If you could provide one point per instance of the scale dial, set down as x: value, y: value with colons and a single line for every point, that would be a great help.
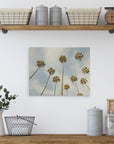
x: 109, y: 17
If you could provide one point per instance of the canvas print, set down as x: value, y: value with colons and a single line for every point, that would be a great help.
x: 59, y: 71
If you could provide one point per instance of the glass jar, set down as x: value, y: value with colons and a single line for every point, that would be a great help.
x: 110, y: 124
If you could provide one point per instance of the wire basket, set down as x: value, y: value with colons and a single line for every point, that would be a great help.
x: 19, y: 125
x: 15, y: 16
x: 83, y: 16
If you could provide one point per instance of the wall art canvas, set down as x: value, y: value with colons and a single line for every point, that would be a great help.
x: 59, y: 71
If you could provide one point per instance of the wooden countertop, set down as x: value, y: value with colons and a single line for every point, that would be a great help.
x: 57, y: 139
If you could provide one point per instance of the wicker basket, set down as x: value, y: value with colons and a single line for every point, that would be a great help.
x: 19, y: 125
x: 110, y: 105
x: 15, y: 16
x: 83, y: 16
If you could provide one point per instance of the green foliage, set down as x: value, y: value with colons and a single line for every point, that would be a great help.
x: 85, y: 70
x: 1, y: 87
x: 83, y: 81
x: 62, y: 59
x: 79, y: 56
x: 66, y: 86
x: 51, y: 71
x: 73, y: 78
x: 80, y: 94
x: 1, y: 104
x: 40, y: 63
x: 5, y: 98
x: 56, y: 79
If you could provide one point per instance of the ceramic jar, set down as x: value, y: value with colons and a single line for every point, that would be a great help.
x: 42, y: 15
x: 94, y: 122
x: 2, y: 131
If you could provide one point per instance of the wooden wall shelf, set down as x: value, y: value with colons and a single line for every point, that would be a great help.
x: 57, y: 139
x: 5, y: 28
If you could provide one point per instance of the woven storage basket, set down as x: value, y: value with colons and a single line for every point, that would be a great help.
x: 83, y: 16
x: 15, y: 16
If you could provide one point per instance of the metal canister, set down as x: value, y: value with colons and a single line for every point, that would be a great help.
x: 95, y: 122
x: 55, y: 15
x: 42, y: 15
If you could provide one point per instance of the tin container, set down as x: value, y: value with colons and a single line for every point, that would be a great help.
x: 95, y: 122
x: 42, y: 15
x: 110, y: 124
x: 55, y: 15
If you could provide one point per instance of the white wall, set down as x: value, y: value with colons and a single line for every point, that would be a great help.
x: 57, y: 114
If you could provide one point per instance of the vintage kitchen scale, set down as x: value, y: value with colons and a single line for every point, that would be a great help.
x: 109, y: 17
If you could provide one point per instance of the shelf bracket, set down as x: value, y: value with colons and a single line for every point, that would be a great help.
x: 4, y: 30
x: 111, y: 31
